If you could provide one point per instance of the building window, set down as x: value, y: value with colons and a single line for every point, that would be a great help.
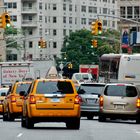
x: 54, y: 7
x: 30, y: 44
x: 13, y: 18
x: 30, y: 56
x: 64, y: 7
x: 11, y: 57
x: 70, y: 20
x: 54, y: 19
x: 70, y: 7
x: 122, y: 10
x: 30, y: 32
x: 14, y: 5
x: 40, y: 6
x: 129, y: 12
x: 75, y: 20
x: 104, y: 10
x: 104, y: 22
x: 45, y: 6
x: 9, y: 5
x: 113, y: 1
x: 54, y: 32
x: 64, y: 19
x: 113, y: 23
x: 45, y: 19
x: 90, y: 21
x: 92, y: 9
x: 75, y: 8
x: 64, y: 32
x: 83, y: 8
x: 136, y: 11
x: 83, y: 21
x: 40, y: 31
x: 40, y: 18
x: 54, y: 44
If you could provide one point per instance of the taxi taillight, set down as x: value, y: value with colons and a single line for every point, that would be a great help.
x: 138, y: 103
x: 78, y: 99
x: 101, y: 101
x: 32, y: 99
x: 13, y: 98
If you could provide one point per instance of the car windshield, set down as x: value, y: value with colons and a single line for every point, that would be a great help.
x: 92, y: 88
x: 53, y: 87
x: 22, y: 87
x: 115, y: 90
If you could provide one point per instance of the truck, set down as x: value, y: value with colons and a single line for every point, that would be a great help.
x: 93, y: 69
x: 11, y: 72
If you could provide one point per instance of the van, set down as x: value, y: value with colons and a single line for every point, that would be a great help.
x: 120, y: 101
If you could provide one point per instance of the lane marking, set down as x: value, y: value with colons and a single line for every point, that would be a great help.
x: 19, y: 135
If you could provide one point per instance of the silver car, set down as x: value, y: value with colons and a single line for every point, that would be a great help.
x: 90, y: 93
x: 120, y: 101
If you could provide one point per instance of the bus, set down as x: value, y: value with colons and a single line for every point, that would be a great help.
x: 120, y: 68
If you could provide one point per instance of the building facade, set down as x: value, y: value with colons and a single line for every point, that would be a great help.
x: 52, y: 20
x: 130, y: 10
x: 2, y: 41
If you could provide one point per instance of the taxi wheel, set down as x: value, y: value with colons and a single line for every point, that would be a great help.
x: 29, y: 123
x: 10, y: 116
x: 73, y: 124
x: 138, y: 120
x: 101, y: 118
x: 5, y: 116
x: 23, y: 122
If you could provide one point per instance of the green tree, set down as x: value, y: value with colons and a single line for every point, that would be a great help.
x: 10, y: 37
x: 79, y: 50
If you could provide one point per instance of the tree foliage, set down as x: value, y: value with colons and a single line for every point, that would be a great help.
x: 79, y: 50
x: 10, y: 37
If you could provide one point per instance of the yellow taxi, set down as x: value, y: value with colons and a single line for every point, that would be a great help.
x: 51, y: 100
x: 12, y: 104
x: 3, y: 93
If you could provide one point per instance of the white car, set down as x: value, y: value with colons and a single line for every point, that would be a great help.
x: 82, y: 77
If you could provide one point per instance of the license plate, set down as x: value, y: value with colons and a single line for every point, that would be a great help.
x: 55, y: 100
x: 91, y: 101
x: 120, y: 107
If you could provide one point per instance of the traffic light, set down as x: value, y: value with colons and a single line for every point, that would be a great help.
x: 94, y: 29
x: 99, y: 23
x: 6, y: 23
x: 44, y: 44
x: 70, y: 65
x: 40, y: 43
x: 94, y: 43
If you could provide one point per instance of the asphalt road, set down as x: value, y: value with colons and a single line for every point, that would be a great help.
x: 89, y: 130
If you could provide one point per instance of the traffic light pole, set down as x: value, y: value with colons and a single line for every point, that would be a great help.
x: 121, y: 19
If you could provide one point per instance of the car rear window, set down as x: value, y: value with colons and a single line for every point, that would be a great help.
x: 115, y: 90
x: 92, y: 88
x: 22, y: 87
x: 56, y: 87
